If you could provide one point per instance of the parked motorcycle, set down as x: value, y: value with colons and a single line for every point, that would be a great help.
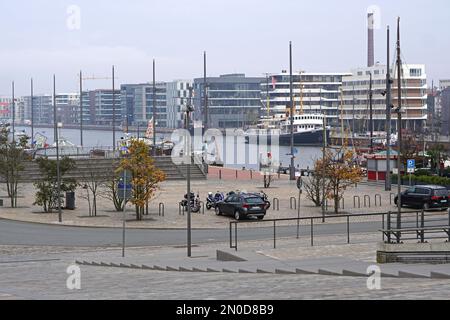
x: 212, y: 200
x: 194, y: 203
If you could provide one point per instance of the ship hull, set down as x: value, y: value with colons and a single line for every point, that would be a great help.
x: 311, y: 138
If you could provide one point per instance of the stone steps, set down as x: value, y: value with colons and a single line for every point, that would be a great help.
x: 325, y: 267
x: 106, y: 167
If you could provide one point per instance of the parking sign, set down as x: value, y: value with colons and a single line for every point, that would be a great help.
x: 411, y: 166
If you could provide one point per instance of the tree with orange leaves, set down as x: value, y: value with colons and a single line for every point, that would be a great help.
x: 145, y: 177
x: 341, y: 172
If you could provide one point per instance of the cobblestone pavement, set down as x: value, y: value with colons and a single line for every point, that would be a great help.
x: 171, y: 193
x: 34, y: 279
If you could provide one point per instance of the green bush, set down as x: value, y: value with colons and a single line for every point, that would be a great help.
x: 416, y: 179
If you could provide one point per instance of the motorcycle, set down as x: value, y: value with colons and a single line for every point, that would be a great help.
x: 194, y: 203
x: 211, y: 200
x: 265, y: 198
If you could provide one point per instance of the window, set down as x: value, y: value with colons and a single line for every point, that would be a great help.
x: 415, y: 72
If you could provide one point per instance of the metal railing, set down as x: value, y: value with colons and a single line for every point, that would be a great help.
x: 421, y: 227
x: 386, y: 217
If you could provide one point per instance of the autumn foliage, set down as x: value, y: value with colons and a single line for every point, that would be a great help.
x: 145, y: 177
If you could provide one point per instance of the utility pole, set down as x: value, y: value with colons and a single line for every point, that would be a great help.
x: 81, y: 108
x: 205, y: 93
x: 114, y: 107
x: 371, y: 113
x: 292, y: 171
x: 189, y: 109
x: 399, y: 126
x: 324, y: 146
x: 32, y: 115
x: 154, y: 109
x: 388, y: 184
x: 13, y: 114
x: 353, y: 116
x: 58, y: 170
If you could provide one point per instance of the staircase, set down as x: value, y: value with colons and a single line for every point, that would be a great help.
x: 105, y: 168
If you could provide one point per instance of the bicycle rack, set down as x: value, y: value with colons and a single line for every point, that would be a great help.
x: 359, y: 202
x: 366, y: 197
x: 378, y: 196
x: 293, y: 203
x: 276, y: 204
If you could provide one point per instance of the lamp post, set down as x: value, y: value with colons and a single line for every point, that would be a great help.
x: 291, y: 104
x: 388, y: 185
x: 189, y: 109
x: 58, y: 169
x: 399, y: 128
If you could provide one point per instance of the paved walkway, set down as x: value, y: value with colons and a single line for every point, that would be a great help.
x: 40, y: 273
x: 172, y: 192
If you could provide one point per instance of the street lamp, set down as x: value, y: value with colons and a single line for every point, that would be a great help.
x: 188, y: 110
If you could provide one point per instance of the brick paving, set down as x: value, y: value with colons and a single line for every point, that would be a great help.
x: 172, y: 192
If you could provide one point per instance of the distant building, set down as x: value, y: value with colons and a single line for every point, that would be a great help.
x: 234, y: 100
x: 445, y: 116
x: 355, y: 89
x: 137, y: 104
x: 177, y: 95
x: 443, y: 84
x: 313, y: 93
x: 67, y: 107
x: 42, y: 109
x: 5, y: 109
x: 102, y: 106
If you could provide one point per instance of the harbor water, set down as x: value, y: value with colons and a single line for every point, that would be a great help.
x: 102, y: 139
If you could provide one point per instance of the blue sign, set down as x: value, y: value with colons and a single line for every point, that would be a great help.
x: 411, y: 164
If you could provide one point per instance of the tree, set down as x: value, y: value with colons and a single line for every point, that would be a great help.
x: 47, y: 188
x: 341, y: 173
x: 145, y: 177
x: 110, y: 189
x: 437, y: 155
x: 314, y: 185
x: 12, y: 158
x: 93, y: 178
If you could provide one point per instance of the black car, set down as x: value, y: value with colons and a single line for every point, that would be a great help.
x: 425, y: 197
x: 242, y: 206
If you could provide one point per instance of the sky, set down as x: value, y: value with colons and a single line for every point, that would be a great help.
x: 45, y: 37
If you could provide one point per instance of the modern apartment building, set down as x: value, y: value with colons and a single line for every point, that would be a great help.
x: 67, y: 107
x: 177, y: 96
x: 312, y: 92
x: 355, y: 111
x: 137, y: 104
x: 42, y: 109
x: 99, y: 107
x: 445, y: 113
x: 5, y: 109
x: 234, y: 100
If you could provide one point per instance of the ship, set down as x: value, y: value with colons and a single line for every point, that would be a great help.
x: 308, y: 130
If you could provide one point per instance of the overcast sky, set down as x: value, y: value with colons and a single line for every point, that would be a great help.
x: 42, y: 37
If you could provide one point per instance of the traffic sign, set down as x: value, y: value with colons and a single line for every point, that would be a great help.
x: 411, y: 165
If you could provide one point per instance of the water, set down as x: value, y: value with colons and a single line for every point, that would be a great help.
x: 304, y: 157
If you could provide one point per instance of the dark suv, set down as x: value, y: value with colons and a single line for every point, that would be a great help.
x: 242, y: 205
x: 425, y: 197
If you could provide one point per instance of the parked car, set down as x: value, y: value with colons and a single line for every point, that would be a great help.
x: 242, y: 206
x: 425, y: 197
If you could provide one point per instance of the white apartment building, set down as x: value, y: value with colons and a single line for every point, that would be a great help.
x: 177, y: 95
x: 355, y: 110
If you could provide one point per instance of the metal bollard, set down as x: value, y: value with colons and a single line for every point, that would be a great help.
x: 276, y: 204
x: 161, y: 209
x: 359, y: 202
x: 366, y: 197
x: 293, y: 201
x: 378, y: 196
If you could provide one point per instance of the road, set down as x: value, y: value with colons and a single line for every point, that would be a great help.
x: 23, y: 233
